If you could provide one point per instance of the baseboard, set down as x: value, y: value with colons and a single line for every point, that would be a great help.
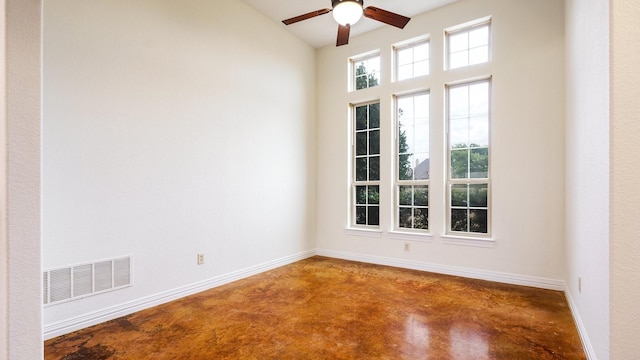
x: 544, y: 283
x: 97, y: 317
x: 582, y: 330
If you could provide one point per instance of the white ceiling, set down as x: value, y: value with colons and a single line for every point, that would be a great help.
x: 322, y: 30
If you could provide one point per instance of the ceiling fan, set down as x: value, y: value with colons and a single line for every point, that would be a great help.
x: 348, y: 12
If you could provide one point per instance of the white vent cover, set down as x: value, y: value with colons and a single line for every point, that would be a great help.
x: 84, y: 280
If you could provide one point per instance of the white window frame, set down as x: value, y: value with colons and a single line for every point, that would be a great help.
x: 411, y: 44
x: 466, y: 28
x: 467, y: 181
x: 397, y: 182
x: 356, y: 183
x: 353, y: 65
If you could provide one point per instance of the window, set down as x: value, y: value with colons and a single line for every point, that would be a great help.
x: 412, y: 60
x: 366, y: 165
x: 468, y: 148
x: 431, y: 177
x: 413, y: 162
x: 366, y: 71
x: 468, y: 45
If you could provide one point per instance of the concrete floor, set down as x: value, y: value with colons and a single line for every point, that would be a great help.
x: 323, y: 308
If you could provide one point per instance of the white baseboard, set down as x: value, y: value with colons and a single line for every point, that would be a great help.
x: 544, y: 283
x: 100, y: 316
x: 582, y: 330
x: 64, y: 327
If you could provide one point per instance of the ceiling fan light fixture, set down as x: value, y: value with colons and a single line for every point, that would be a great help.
x: 347, y: 11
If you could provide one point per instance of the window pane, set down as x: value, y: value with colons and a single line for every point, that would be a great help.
x: 459, y: 164
x: 405, y: 72
x: 458, y: 220
x: 468, y: 47
x: 421, y: 68
x: 479, y: 163
x: 404, y: 218
x: 405, y: 56
x: 421, y: 171
x: 413, y: 138
x: 478, y: 55
x: 374, y: 195
x: 422, y: 108
x: 405, y: 109
x: 468, y: 126
x: 374, y: 168
x: 366, y: 72
x: 361, y: 82
x: 374, y: 65
x: 421, y: 196
x: 478, y: 195
x: 459, y: 195
x: 478, y: 98
x: 412, y: 61
x: 361, y: 118
x: 405, y: 170
x: 361, y: 215
x: 479, y: 37
x: 421, y: 138
x: 421, y: 52
x: 361, y: 194
x: 405, y: 195
x: 458, y: 133
x: 458, y: 42
x: 406, y: 139
x: 374, y: 215
x: 459, y: 102
x: 361, y: 169
x: 374, y: 116
x: 478, y: 221
x: 421, y: 218
x: 459, y: 59
x: 361, y: 143
x: 478, y: 131
x: 374, y: 142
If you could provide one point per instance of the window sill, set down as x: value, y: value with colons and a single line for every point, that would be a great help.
x: 363, y: 232
x: 408, y: 236
x: 468, y: 241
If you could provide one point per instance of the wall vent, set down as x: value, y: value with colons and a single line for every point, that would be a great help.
x: 79, y: 281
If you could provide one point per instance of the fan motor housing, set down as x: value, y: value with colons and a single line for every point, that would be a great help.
x: 336, y: 2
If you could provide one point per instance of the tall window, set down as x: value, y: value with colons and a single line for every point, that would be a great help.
x: 366, y: 71
x: 468, y: 45
x: 468, y: 144
x: 412, y: 60
x: 413, y: 162
x: 366, y: 165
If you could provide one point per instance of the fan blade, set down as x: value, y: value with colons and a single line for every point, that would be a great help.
x: 343, y: 35
x: 306, y: 16
x: 386, y: 17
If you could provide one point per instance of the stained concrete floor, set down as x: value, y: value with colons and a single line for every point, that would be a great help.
x: 322, y: 308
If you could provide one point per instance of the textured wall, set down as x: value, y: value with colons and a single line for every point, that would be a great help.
x: 587, y: 185
x: 625, y: 195
x: 23, y: 43
x: 173, y: 128
x: 527, y: 139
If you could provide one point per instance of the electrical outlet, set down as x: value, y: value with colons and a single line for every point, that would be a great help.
x: 579, y: 284
x: 407, y: 247
x: 200, y: 259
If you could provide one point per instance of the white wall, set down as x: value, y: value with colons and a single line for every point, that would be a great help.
x: 173, y: 128
x: 527, y: 150
x: 587, y: 174
x: 21, y: 206
x: 625, y: 197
